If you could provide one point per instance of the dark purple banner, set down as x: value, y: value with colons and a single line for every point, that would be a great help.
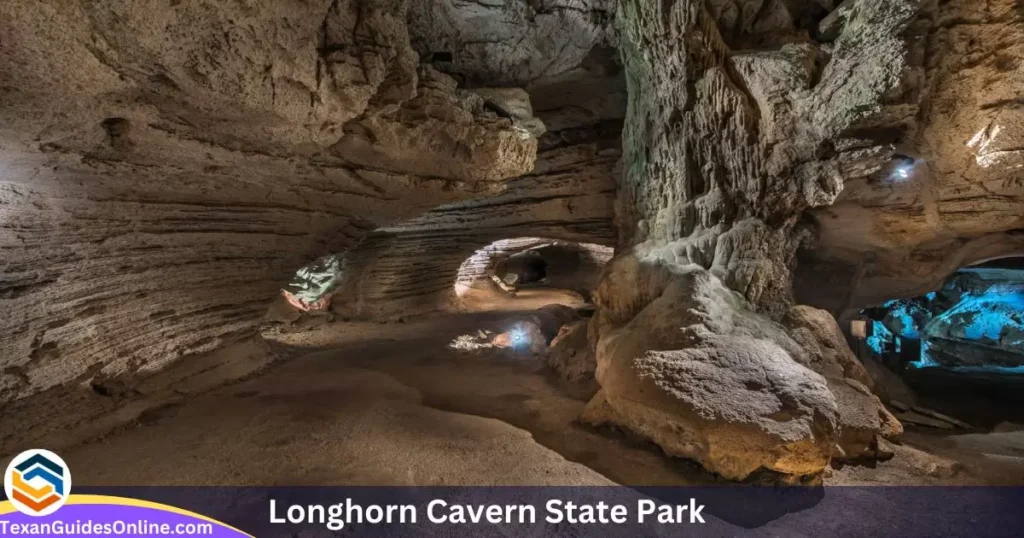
x: 817, y: 512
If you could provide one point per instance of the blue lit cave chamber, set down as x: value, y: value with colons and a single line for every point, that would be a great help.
x: 967, y: 336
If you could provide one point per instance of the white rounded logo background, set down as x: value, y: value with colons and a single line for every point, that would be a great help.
x: 9, y: 485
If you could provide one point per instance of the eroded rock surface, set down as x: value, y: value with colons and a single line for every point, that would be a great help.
x: 718, y: 171
x: 571, y: 355
x: 166, y: 166
x: 962, y: 199
x: 699, y: 372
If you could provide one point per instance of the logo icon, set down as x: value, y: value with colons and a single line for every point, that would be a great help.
x: 37, y: 482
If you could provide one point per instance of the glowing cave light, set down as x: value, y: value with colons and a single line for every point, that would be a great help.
x: 519, y: 338
x: 974, y: 324
x: 993, y: 317
x: 984, y: 316
x: 902, y: 172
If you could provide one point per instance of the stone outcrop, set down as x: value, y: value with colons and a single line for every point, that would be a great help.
x: 412, y: 268
x: 707, y: 378
x: 725, y: 148
x: 889, y: 236
x: 699, y: 373
x: 861, y: 417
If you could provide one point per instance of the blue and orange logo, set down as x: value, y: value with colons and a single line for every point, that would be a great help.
x: 37, y: 482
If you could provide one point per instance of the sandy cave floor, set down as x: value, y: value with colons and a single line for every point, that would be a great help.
x: 392, y: 404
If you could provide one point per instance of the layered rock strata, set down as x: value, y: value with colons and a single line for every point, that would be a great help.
x: 165, y: 167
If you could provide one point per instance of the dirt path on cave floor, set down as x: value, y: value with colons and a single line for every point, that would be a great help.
x: 394, y: 405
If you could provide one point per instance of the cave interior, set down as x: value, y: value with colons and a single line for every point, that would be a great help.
x: 627, y: 242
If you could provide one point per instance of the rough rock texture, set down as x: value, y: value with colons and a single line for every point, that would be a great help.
x: 509, y: 43
x: 702, y: 375
x: 164, y: 167
x: 412, y: 268
x: 963, y: 199
x: 725, y: 146
x: 568, y: 266
x: 861, y: 415
x: 571, y: 356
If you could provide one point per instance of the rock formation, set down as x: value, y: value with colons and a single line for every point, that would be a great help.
x: 166, y: 167
x: 889, y: 236
x: 745, y: 126
x: 725, y: 148
x: 412, y: 268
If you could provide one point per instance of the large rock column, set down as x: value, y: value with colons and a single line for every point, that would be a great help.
x: 698, y: 345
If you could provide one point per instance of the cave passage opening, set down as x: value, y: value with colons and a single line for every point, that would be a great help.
x: 525, y: 269
x: 528, y: 272
x: 962, y: 341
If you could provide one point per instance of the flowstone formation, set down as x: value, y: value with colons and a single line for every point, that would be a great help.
x: 738, y: 123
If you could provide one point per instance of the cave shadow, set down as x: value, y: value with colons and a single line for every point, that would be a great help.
x: 749, y: 504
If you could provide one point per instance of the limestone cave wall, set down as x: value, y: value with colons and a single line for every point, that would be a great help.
x: 165, y: 167
x: 569, y: 266
x: 412, y: 268
x: 889, y: 236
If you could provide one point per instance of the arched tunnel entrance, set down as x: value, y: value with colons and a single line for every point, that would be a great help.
x: 520, y: 273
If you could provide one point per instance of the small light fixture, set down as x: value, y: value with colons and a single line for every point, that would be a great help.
x: 903, y: 170
x: 519, y: 337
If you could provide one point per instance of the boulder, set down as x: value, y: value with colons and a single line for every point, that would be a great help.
x: 571, y: 355
x: 706, y: 378
x: 862, y: 416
